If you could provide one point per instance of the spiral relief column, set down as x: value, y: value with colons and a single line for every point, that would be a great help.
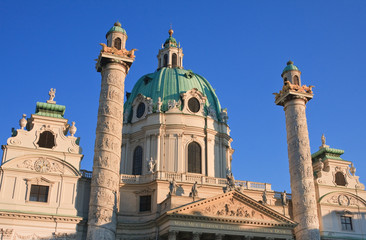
x: 114, y: 62
x: 294, y: 97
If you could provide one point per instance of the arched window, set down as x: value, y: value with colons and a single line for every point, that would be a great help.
x: 339, y: 179
x: 117, y: 43
x: 165, y: 60
x: 46, y: 140
x: 296, y: 80
x: 194, y: 158
x: 174, y: 60
x: 137, y: 161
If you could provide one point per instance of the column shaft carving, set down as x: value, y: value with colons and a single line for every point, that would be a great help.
x: 104, y: 194
x: 301, y: 171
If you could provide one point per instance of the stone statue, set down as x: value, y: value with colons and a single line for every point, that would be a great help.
x: 151, y: 165
x: 159, y: 104
x: 321, y: 164
x: 284, y: 198
x: 194, y: 191
x: 264, y: 197
x: 173, y: 104
x: 173, y: 187
x: 149, y: 106
x: 211, y: 112
x: 223, y: 115
x: 230, y: 180
x: 52, y: 94
x: 323, y: 142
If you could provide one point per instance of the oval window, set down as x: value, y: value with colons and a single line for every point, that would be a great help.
x: 193, y: 105
x: 140, y: 110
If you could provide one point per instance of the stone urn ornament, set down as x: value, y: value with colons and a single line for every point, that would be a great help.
x: 23, y: 122
x: 72, y: 129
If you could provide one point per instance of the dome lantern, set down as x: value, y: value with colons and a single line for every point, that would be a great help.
x: 171, y: 54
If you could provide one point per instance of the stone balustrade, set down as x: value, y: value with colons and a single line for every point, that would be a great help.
x: 191, y: 178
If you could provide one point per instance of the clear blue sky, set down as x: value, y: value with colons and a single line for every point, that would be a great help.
x: 241, y: 47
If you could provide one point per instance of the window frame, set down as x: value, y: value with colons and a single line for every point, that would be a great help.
x: 39, y: 187
x: 150, y: 200
x: 199, y: 162
x: 345, y: 224
x: 44, y: 132
x: 140, y: 161
x: 38, y: 181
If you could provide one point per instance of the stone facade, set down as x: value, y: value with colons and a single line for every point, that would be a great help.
x: 162, y: 169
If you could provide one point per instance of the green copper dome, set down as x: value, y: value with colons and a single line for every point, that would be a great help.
x: 290, y: 66
x: 170, y: 42
x: 117, y: 28
x: 169, y: 84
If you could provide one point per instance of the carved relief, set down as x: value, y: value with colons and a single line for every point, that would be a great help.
x: 228, y: 208
x: 345, y: 200
x: 107, y: 143
x: 41, y: 165
x: 105, y: 160
x: 172, y: 104
x: 14, y: 141
x: 105, y: 180
x: 100, y: 215
x: 108, y: 110
x: 106, y: 196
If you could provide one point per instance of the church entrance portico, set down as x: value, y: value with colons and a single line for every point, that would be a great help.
x: 231, y: 215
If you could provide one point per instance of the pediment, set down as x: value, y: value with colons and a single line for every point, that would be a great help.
x: 235, y: 206
x: 41, y: 164
x: 343, y: 199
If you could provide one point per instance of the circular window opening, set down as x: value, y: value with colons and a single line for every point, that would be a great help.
x: 193, y: 105
x: 140, y: 110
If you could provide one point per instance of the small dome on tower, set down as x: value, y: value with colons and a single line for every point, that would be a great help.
x: 170, y: 41
x: 117, y: 27
x: 290, y: 66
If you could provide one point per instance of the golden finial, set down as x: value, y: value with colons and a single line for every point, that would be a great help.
x: 117, y: 24
x: 290, y: 62
x: 171, y: 30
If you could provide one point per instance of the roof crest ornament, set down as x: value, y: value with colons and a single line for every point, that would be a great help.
x: 323, y: 143
x: 52, y: 94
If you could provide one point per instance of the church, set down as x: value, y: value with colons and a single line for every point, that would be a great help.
x: 162, y: 166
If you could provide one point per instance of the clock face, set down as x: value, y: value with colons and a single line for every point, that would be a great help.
x: 42, y: 165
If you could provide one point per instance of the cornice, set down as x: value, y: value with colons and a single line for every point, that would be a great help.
x: 40, y: 217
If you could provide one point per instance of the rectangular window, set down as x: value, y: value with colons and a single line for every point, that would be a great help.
x: 346, y: 223
x: 145, y: 203
x: 38, y: 193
